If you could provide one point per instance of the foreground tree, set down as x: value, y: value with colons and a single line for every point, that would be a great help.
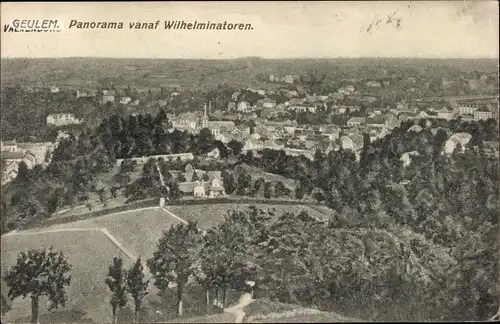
x: 40, y: 273
x: 176, y: 258
x: 137, y: 286
x: 117, y: 283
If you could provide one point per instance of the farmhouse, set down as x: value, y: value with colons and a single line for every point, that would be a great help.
x: 213, y: 187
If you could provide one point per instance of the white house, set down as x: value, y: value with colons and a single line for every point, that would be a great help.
x: 288, y: 79
x: 243, y: 106
x: 467, y: 109
x: 199, y: 190
x: 482, y: 113
x: 125, y: 100
x: 268, y: 103
x: 62, y: 119
x: 8, y: 146
x: 445, y: 113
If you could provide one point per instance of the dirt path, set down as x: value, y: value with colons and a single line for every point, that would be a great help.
x: 237, y: 310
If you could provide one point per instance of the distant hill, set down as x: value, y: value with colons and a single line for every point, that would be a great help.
x: 81, y: 72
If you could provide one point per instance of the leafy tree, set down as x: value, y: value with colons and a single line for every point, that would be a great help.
x: 176, y: 258
x: 206, y: 177
x: 181, y: 177
x: 235, y: 146
x: 228, y: 180
x: 299, y: 191
x: 195, y: 177
x: 280, y: 189
x: 243, y: 184
x: 23, y: 173
x: 318, y: 195
x: 117, y: 284
x: 137, y: 286
x: 40, y: 273
x: 267, y: 189
x: 258, y: 185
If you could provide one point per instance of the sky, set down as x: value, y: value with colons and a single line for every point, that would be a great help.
x: 441, y: 29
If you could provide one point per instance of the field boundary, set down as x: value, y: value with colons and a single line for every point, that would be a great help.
x: 173, y: 215
x: 118, y: 244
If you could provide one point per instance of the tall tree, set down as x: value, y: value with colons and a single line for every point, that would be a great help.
x: 40, y: 273
x: 176, y: 258
x: 117, y: 284
x: 137, y: 286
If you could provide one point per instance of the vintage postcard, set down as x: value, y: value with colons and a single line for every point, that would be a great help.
x: 239, y: 162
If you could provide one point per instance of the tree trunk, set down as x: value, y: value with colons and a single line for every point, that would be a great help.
x: 180, y: 290
x: 136, y: 315
x: 288, y: 287
x: 34, y: 309
x: 207, y: 298
x: 114, y: 314
x: 217, y: 296
x: 224, y: 297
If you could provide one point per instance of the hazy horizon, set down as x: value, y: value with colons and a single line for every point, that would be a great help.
x: 281, y: 30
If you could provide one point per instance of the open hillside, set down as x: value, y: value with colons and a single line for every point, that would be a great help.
x: 89, y: 252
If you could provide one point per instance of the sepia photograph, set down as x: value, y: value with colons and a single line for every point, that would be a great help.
x: 249, y: 162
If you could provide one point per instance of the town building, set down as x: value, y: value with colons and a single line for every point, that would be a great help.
x: 356, y: 121
x: 62, y: 119
x: 467, y: 109
x: 482, y: 113
x: 288, y: 79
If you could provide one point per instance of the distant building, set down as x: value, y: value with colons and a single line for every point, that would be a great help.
x: 243, y: 106
x: 378, y: 121
x: 373, y: 84
x: 62, y: 119
x: 81, y: 94
x: 482, y: 114
x: 8, y: 146
x: 108, y: 96
x: 125, y: 100
x: 346, y: 143
x: 268, y: 103
x: 288, y: 79
x: 356, y: 121
x: 467, y: 109
x: 166, y: 157
x: 445, y: 113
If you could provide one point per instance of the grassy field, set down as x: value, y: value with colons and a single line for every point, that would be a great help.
x: 137, y: 230
x: 89, y: 253
x: 211, y: 215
